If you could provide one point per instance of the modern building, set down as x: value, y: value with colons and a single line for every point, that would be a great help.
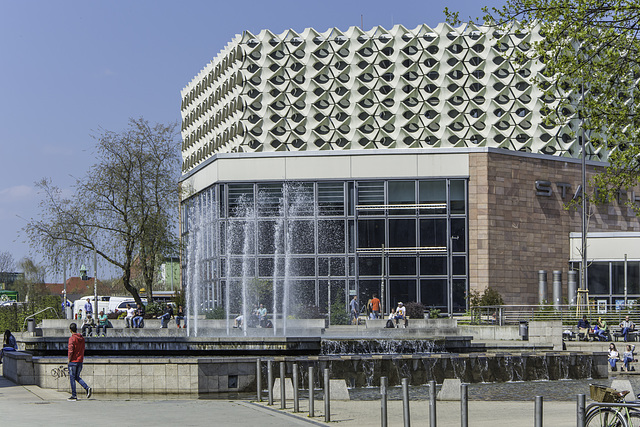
x: 412, y: 163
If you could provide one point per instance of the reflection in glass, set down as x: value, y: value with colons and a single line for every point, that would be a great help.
x: 598, y: 278
x: 402, y: 233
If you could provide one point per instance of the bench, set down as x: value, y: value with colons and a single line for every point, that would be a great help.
x: 617, y: 333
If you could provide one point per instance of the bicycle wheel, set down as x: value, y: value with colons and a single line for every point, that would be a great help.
x: 634, y: 418
x: 604, y: 417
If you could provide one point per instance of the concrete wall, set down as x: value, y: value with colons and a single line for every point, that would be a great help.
x: 546, y: 332
x: 136, y: 375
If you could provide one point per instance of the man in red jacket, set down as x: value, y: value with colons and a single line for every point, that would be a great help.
x: 76, y: 357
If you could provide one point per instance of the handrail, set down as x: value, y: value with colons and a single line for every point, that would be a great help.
x: 32, y: 316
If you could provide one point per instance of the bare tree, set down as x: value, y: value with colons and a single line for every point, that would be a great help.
x: 7, y: 265
x: 124, y: 209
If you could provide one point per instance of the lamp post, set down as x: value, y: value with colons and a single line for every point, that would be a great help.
x: 95, y: 282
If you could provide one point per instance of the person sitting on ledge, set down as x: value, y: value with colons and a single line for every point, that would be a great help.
x: 628, y: 357
x: 8, y: 343
x: 603, y: 330
x: 180, y: 316
x: 87, y: 325
x: 166, y: 316
x: 583, y: 328
x: 627, y: 326
x: 138, y: 320
x: 237, y: 323
x: 614, y: 356
x: 401, y: 314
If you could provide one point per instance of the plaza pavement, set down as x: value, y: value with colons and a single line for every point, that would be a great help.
x: 31, y: 405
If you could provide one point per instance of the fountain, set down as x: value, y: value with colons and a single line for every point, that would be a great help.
x: 238, y: 244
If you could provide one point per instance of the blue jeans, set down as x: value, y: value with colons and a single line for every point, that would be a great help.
x: 74, y: 375
x: 625, y: 332
x: 164, y: 320
x: 178, y: 319
x: 613, y: 362
x: 136, y: 321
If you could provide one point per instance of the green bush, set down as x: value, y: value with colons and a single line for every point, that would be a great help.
x: 154, y: 309
x: 339, y: 315
x: 217, y: 313
x: 13, y: 317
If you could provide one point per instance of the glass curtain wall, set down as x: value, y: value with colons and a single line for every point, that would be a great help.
x: 606, y: 280
x: 405, y: 240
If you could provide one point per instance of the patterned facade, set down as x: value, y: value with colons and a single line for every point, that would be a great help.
x: 378, y: 89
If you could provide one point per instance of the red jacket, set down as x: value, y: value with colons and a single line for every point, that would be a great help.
x: 76, y: 348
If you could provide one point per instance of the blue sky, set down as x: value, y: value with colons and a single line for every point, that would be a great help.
x: 68, y: 68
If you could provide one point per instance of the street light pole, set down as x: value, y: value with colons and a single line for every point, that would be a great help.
x: 95, y: 282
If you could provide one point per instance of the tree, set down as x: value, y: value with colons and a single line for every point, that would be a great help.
x: 125, y: 208
x: 591, y: 52
x: 6, y: 262
x: 32, y: 285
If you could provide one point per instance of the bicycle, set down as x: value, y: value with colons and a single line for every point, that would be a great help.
x: 612, y: 410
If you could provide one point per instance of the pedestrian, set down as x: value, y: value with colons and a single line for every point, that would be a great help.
x: 354, y: 310
x: 88, y: 308
x: 262, y: 315
x: 375, y: 306
x: 76, y: 358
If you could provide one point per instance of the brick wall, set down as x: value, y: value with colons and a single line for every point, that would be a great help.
x: 513, y: 232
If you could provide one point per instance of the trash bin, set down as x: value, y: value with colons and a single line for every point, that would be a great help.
x: 31, y: 324
x: 524, y: 330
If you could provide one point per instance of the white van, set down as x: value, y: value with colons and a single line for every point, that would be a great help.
x: 108, y: 304
x: 120, y: 303
x: 103, y: 304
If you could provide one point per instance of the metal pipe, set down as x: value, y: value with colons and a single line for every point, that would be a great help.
x: 581, y: 413
x: 542, y: 287
x: 259, y: 379
x: 432, y: 404
x: 557, y: 289
x: 406, y: 415
x: 572, y: 285
x: 538, y: 412
x: 296, y: 403
x: 383, y: 401
x: 327, y: 396
x: 270, y: 381
x: 464, y: 405
x: 283, y: 393
x: 311, y: 390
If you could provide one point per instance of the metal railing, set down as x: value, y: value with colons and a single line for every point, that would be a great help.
x: 514, y: 314
x: 33, y: 316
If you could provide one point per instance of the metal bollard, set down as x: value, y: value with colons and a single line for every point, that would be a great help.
x: 383, y: 401
x: 538, y: 420
x: 270, y: 381
x: 406, y: 415
x: 283, y: 380
x: 432, y: 404
x: 259, y: 379
x: 581, y: 408
x: 296, y: 403
x: 327, y: 396
x: 311, y: 391
x: 464, y: 405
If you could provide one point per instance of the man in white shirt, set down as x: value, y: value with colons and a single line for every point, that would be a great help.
x: 401, y: 313
x: 130, y: 313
